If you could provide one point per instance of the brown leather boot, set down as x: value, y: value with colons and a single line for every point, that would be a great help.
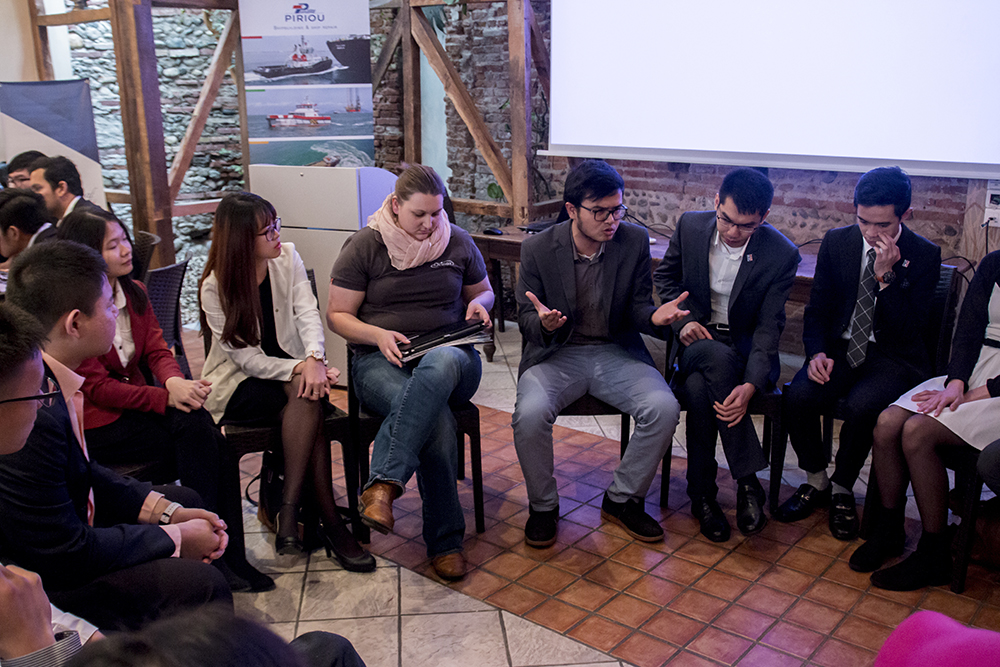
x: 376, y: 506
x: 450, y: 566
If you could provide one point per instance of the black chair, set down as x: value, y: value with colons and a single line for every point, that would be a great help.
x: 142, y: 254
x: 767, y: 404
x: 262, y: 435
x: 364, y: 426
x: 164, y: 288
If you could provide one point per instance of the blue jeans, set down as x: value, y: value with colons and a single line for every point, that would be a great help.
x: 609, y: 373
x: 418, y: 433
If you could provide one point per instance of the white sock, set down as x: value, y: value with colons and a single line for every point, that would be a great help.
x: 837, y: 488
x: 818, y: 480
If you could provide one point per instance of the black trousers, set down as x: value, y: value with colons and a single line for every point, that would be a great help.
x: 189, y: 447
x: 130, y: 598
x: 325, y: 649
x: 709, y: 371
x: 868, y: 390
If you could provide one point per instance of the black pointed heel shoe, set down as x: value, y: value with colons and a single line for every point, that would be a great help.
x: 286, y: 528
x: 341, y: 545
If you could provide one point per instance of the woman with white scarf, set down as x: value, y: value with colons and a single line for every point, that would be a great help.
x: 408, y: 272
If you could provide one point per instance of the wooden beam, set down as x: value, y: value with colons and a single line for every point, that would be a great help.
x: 195, y: 207
x: 519, y: 48
x: 392, y: 41
x: 437, y: 3
x: 40, y: 40
x: 241, y: 103
x: 221, y: 60
x: 118, y: 196
x: 460, y: 97
x: 481, y: 207
x: 142, y: 122
x: 546, y: 208
x: 540, y: 53
x: 412, y: 138
x: 76, y: 16
x: 198, y: 4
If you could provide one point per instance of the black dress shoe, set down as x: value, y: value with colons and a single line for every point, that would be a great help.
x: 341, y: 546
x: 540, y: 530
x: 713, y: 522
x: 750, y: 518
x: 843, y: 517
x: 631, y: 516
x: 803, y: 502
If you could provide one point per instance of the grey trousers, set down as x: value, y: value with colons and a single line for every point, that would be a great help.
x: 612, y: 375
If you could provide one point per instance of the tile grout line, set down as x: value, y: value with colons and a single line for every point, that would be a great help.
x: 506, y: 639
x: 399, y: 615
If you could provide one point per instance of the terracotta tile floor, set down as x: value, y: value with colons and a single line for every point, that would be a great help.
x: 783, y: 597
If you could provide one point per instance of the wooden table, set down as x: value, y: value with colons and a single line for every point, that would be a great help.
x: 507, y: 247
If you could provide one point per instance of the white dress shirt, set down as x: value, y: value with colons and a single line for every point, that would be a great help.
x: 723, y: 265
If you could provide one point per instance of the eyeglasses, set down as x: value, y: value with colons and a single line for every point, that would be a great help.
x: 46, y: 395
x: 601, y: 214
x: 271, y: 231
x: 748, y: 227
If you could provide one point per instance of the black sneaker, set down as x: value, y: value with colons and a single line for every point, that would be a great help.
x: 540, y: 530
x: 873, y: 554
x: 631, y: 516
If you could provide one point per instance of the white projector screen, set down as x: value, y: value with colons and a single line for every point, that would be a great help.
x: 844, y: 85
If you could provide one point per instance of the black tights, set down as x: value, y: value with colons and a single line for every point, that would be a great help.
x: 905, y: 452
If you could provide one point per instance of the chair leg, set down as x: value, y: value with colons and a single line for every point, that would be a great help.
x: 626, y: 428
x: 873, y: 507
x: 967, y: 529
x: 460, y: 436
x: 363, y: 533
x: 476, y: 458
x: 828, y: 436
x: 351, y: 481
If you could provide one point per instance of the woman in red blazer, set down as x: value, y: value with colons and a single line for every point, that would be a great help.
x: 127, y: 420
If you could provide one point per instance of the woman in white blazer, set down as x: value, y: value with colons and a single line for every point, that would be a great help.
x: 268, y: 359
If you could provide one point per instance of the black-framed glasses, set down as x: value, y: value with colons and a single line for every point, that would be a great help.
x: 271, y: 231
x: 748, y: 227
x: 601, y: 214
x: 46, y: 394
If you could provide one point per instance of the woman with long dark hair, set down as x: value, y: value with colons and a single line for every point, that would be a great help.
x: 268, y: 359
x: 130, y: 421
x: 409, y: 272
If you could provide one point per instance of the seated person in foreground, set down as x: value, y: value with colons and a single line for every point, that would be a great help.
x: 32, y: 631
x: 268, y: 361
x: 129, y: 421
x: 738, y: 271
x: 408, y: 272
x: 956, y: 410
x: 862, y: 331
x: 584, y: 296
x: 108, y: 548
x: 23, y: 222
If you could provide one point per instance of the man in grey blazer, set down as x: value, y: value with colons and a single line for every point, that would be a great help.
x: 738, y: 271
x: 584, y: 295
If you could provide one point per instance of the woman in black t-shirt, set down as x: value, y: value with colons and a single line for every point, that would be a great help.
x: 409, y: 272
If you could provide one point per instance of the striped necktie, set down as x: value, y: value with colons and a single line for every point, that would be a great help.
x: 864, y: 313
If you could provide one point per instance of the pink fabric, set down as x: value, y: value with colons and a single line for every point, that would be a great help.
x: 406, y: 252
x: 930, y: 639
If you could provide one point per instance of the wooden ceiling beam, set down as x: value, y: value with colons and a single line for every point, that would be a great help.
x: 76, y: 16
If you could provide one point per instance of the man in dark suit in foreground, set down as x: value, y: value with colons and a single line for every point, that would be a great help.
x: 738, y: 271
x: 584, y: 295
x: 108, y: 548
x: 862, y: 332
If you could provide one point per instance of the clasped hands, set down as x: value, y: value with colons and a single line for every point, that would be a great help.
x: 203, y: 533
x: 315, y: 379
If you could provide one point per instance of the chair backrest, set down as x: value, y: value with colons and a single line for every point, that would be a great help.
x: 164, y: 287
x: 941, y: 318
x: 142, y: 253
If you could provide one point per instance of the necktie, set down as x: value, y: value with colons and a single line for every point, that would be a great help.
x: 864, y: 312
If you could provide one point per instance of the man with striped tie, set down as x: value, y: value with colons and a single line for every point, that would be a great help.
x: 862, y: 330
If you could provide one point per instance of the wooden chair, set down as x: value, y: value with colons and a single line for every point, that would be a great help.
x: 142, y: 254
x: 767, y: 404
x: 364, y: 426
x: 164, y: 288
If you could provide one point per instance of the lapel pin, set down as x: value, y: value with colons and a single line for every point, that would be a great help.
x: 749, y: 258
x: 906, y: 263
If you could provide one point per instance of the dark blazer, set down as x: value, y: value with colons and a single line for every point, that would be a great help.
x: 757, y: 302
x: 972, y: 323
x: 547, y: 271
x: 111, y: 388
x: 87, y: 205
x: 43, y: 509
x: 901, y: 309
x: 46, y: 234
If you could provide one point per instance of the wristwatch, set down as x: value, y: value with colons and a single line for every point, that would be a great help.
x: 317, y: 355
x: 168, y: 512
x: 886, y: 277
